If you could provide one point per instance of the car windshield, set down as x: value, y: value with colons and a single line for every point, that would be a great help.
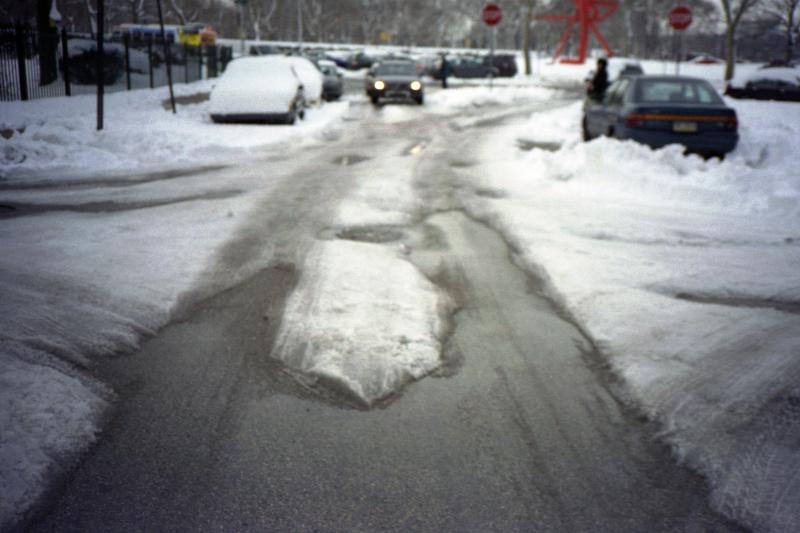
x: 396, y: 69
x: 676, y: 91
x: 328, y: 70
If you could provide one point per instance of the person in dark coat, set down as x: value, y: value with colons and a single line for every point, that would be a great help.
x: 444, y: 71
x: 599, y: 83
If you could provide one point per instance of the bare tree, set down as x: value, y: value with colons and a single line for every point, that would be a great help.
x: 733, y: 11
x: 261, y: 12
x: 787, y: 13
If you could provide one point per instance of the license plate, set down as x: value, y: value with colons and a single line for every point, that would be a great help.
x: 684, y: 127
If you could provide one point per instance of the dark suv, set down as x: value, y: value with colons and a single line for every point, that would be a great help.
x: 506, y: 65
x: 394, y: 79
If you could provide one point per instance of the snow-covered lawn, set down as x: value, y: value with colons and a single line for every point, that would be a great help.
x: 685, y: 274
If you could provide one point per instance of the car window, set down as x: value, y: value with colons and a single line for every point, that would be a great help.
x: 616, y: 92
x: 396, y: 69
x: 676, y: 91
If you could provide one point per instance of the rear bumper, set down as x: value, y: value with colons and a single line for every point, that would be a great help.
x: 702, y: 143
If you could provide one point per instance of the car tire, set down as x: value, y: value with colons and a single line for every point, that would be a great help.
x: 374, y: 98
x: 419, y: 99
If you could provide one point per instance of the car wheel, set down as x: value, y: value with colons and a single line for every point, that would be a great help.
x: 585, y: 130
x: 419, y: 99
x: 374, y: 98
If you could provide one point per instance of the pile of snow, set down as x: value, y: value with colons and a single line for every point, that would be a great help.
x: 362, y: 321
x: 683, y: 272
x: 139, y: 134
x: 82, y: 285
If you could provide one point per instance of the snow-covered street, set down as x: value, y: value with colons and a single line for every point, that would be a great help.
x: 330, y: 307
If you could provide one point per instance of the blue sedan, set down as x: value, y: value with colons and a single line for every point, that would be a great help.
x: 662, y: 110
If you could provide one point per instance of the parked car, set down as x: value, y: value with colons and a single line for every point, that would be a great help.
x: 258, y: 89
x: 472, y: 67
x: 778, y: 82
x: 506, y: 64
x: 359, y: 60
x: 262, y: 50
x: 332, y: 85
x: 662, y: 110
x: 394, y: 80
x: 310, y: 76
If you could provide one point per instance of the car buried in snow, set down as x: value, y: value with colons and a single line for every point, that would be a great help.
x: 258, y: 89
x: 662, y: 110
x: 395, y: 80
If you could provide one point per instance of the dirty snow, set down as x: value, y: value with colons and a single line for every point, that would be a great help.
x: 677, y: 268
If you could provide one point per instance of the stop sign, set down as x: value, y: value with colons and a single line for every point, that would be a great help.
x: 680, y: 17
x: 492, y: 15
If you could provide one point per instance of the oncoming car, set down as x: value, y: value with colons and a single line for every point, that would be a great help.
x: 258, y: 89
x: 394, y: 80
x: 662, y: 110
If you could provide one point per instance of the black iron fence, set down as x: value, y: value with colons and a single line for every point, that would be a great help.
x: 40, y: 65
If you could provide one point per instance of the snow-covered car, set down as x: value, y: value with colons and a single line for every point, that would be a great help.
x: 310, y: 76
x: 258, y: 89
x: 662, y: 110
x: 780, y: 82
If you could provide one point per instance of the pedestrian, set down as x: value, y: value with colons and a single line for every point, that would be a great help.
x: 599, y: 84
x: 444, y: 70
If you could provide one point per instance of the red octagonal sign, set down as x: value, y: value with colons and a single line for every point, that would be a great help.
x: 680, y: 17
x: 492, y: 15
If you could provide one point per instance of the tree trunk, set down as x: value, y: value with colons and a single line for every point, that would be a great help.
x: 48, y: 43
x: 730, y: 52
x: 526, y: 38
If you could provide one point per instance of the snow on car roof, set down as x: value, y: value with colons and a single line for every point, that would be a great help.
x: 250, y: 66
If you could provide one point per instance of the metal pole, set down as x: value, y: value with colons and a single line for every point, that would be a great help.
x: 166, y: 56
x: 100, y: 62
x: 127, y: 44
x: 678, y: 53
x: 22, y: 48
x: 65, y: 61
x: 491, y: 57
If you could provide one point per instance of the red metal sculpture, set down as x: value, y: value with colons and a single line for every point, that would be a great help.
x: 587, y: 14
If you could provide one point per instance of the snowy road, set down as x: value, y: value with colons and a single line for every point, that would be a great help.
x: 518, y: 431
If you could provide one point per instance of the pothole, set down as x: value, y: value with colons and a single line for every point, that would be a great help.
x: 785, y: 306
x: 350, y: 159
x: 380, y: 234
x: 527, y: 145
x: 490, y: 193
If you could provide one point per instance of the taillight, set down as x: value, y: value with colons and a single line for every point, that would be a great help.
x: 634, y: 120
x: 730, y: 123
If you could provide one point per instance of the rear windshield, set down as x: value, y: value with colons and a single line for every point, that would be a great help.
x: 676, y: 91
x: 396, y: 69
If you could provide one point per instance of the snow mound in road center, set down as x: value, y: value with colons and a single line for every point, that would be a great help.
x: 362, y: 321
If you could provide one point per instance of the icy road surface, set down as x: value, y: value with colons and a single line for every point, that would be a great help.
x: 516, y: 430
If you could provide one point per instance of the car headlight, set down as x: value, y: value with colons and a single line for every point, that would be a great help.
x: 415, y: 85
x: 379, y: 85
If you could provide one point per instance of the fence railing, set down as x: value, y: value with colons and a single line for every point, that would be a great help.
x: 44, y: 64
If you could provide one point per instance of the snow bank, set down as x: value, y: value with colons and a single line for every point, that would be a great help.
x: 349, y: 329
x: 58, y: 134
x: 677, y: 267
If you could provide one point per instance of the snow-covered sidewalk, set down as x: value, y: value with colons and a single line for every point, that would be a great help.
x: 685, y: 274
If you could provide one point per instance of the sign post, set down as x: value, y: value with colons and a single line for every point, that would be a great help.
x: 492, y: 15
x: 679, y: 18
